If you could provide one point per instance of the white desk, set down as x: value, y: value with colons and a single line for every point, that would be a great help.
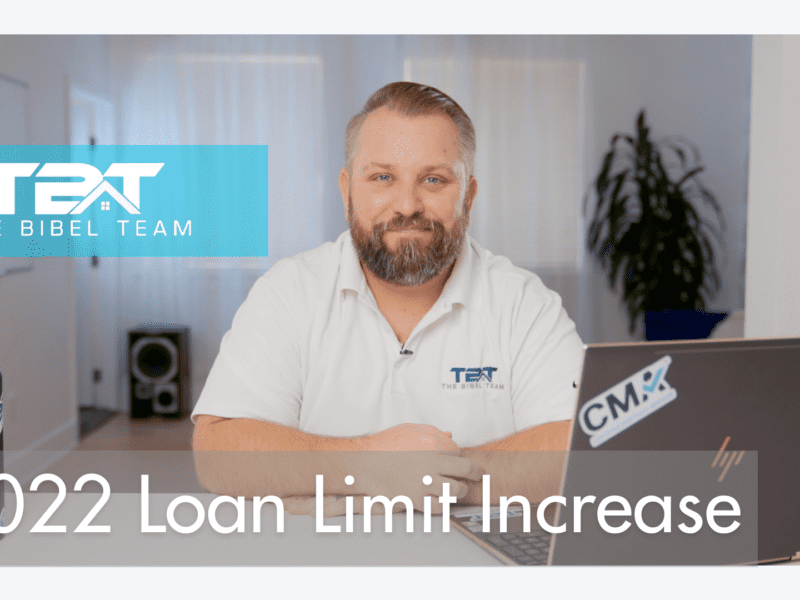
x: 299, y: 545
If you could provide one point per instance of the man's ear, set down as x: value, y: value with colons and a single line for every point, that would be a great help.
x: 344, y: 188
x: 472, y: 191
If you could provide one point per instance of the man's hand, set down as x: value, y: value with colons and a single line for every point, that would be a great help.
x: 408, y: 456
x: 332, y: 506
x: 396, y: 462
x: 394, y: 474
x: 529, y: 463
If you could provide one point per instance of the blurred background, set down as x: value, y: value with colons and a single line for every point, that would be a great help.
x: 545, y: 109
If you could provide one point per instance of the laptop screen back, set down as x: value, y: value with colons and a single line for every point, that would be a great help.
x: 722, y: 400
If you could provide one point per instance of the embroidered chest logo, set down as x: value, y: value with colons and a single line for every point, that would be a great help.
x: 463, y: 378
x: 627, y: 403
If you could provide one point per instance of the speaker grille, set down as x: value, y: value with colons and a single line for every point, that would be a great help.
x: 159, y: 372
x: 154, y: 359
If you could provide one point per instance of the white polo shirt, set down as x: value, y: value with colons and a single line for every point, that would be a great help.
x: 310, y: 349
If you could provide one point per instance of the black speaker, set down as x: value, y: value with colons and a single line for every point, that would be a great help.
x: 158, y: 361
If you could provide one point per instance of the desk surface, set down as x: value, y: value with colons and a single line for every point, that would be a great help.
x: 298, y: 545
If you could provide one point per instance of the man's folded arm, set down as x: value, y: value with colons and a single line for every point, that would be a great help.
x: 528, y: 463
x: 249, y: 457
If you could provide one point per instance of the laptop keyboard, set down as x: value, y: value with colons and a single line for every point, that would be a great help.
x: 523, y: 548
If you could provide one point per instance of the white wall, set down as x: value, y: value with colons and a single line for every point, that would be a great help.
x: 772, y: 302
x: 697, y: 87
x: 37, y: 309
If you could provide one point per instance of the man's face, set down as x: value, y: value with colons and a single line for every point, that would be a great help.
x: 404, y: 200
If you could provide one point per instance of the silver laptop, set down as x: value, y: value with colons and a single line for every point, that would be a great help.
x: 679, y: 421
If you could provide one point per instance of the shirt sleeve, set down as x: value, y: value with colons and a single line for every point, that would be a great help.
x: 257, y: 373
x: 547, y: 361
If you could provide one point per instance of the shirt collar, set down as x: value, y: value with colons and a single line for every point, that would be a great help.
x: 459, y: 288
x: 351, y: 277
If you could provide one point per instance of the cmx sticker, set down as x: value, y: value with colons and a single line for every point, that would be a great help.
x: 627, y: 403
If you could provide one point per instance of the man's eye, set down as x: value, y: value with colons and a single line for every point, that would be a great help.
x: 433, y: 180
x: 382, y: 178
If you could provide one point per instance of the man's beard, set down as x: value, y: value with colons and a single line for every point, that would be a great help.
x: 414, y: 262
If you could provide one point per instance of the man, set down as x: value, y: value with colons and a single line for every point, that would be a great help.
x: 403, y: 335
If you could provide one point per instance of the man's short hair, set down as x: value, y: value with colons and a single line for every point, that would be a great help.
x: 415, y: 100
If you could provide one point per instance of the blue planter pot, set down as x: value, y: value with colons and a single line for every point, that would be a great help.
x: 680, y: 324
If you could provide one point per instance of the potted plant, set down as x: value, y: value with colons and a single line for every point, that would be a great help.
x: 648, y: 234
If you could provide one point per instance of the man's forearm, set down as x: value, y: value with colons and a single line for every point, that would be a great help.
x: 246, y: 457
x: 528, y: 463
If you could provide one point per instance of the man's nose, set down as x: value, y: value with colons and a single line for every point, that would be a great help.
x: 408, y: 199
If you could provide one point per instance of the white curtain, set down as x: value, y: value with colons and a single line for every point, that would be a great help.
x: 216, y: 90
x: 526, y: 96
x: 295, y: 94
x: 528, y: 121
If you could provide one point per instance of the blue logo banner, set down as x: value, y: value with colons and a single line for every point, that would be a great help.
x: 133, y: 201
